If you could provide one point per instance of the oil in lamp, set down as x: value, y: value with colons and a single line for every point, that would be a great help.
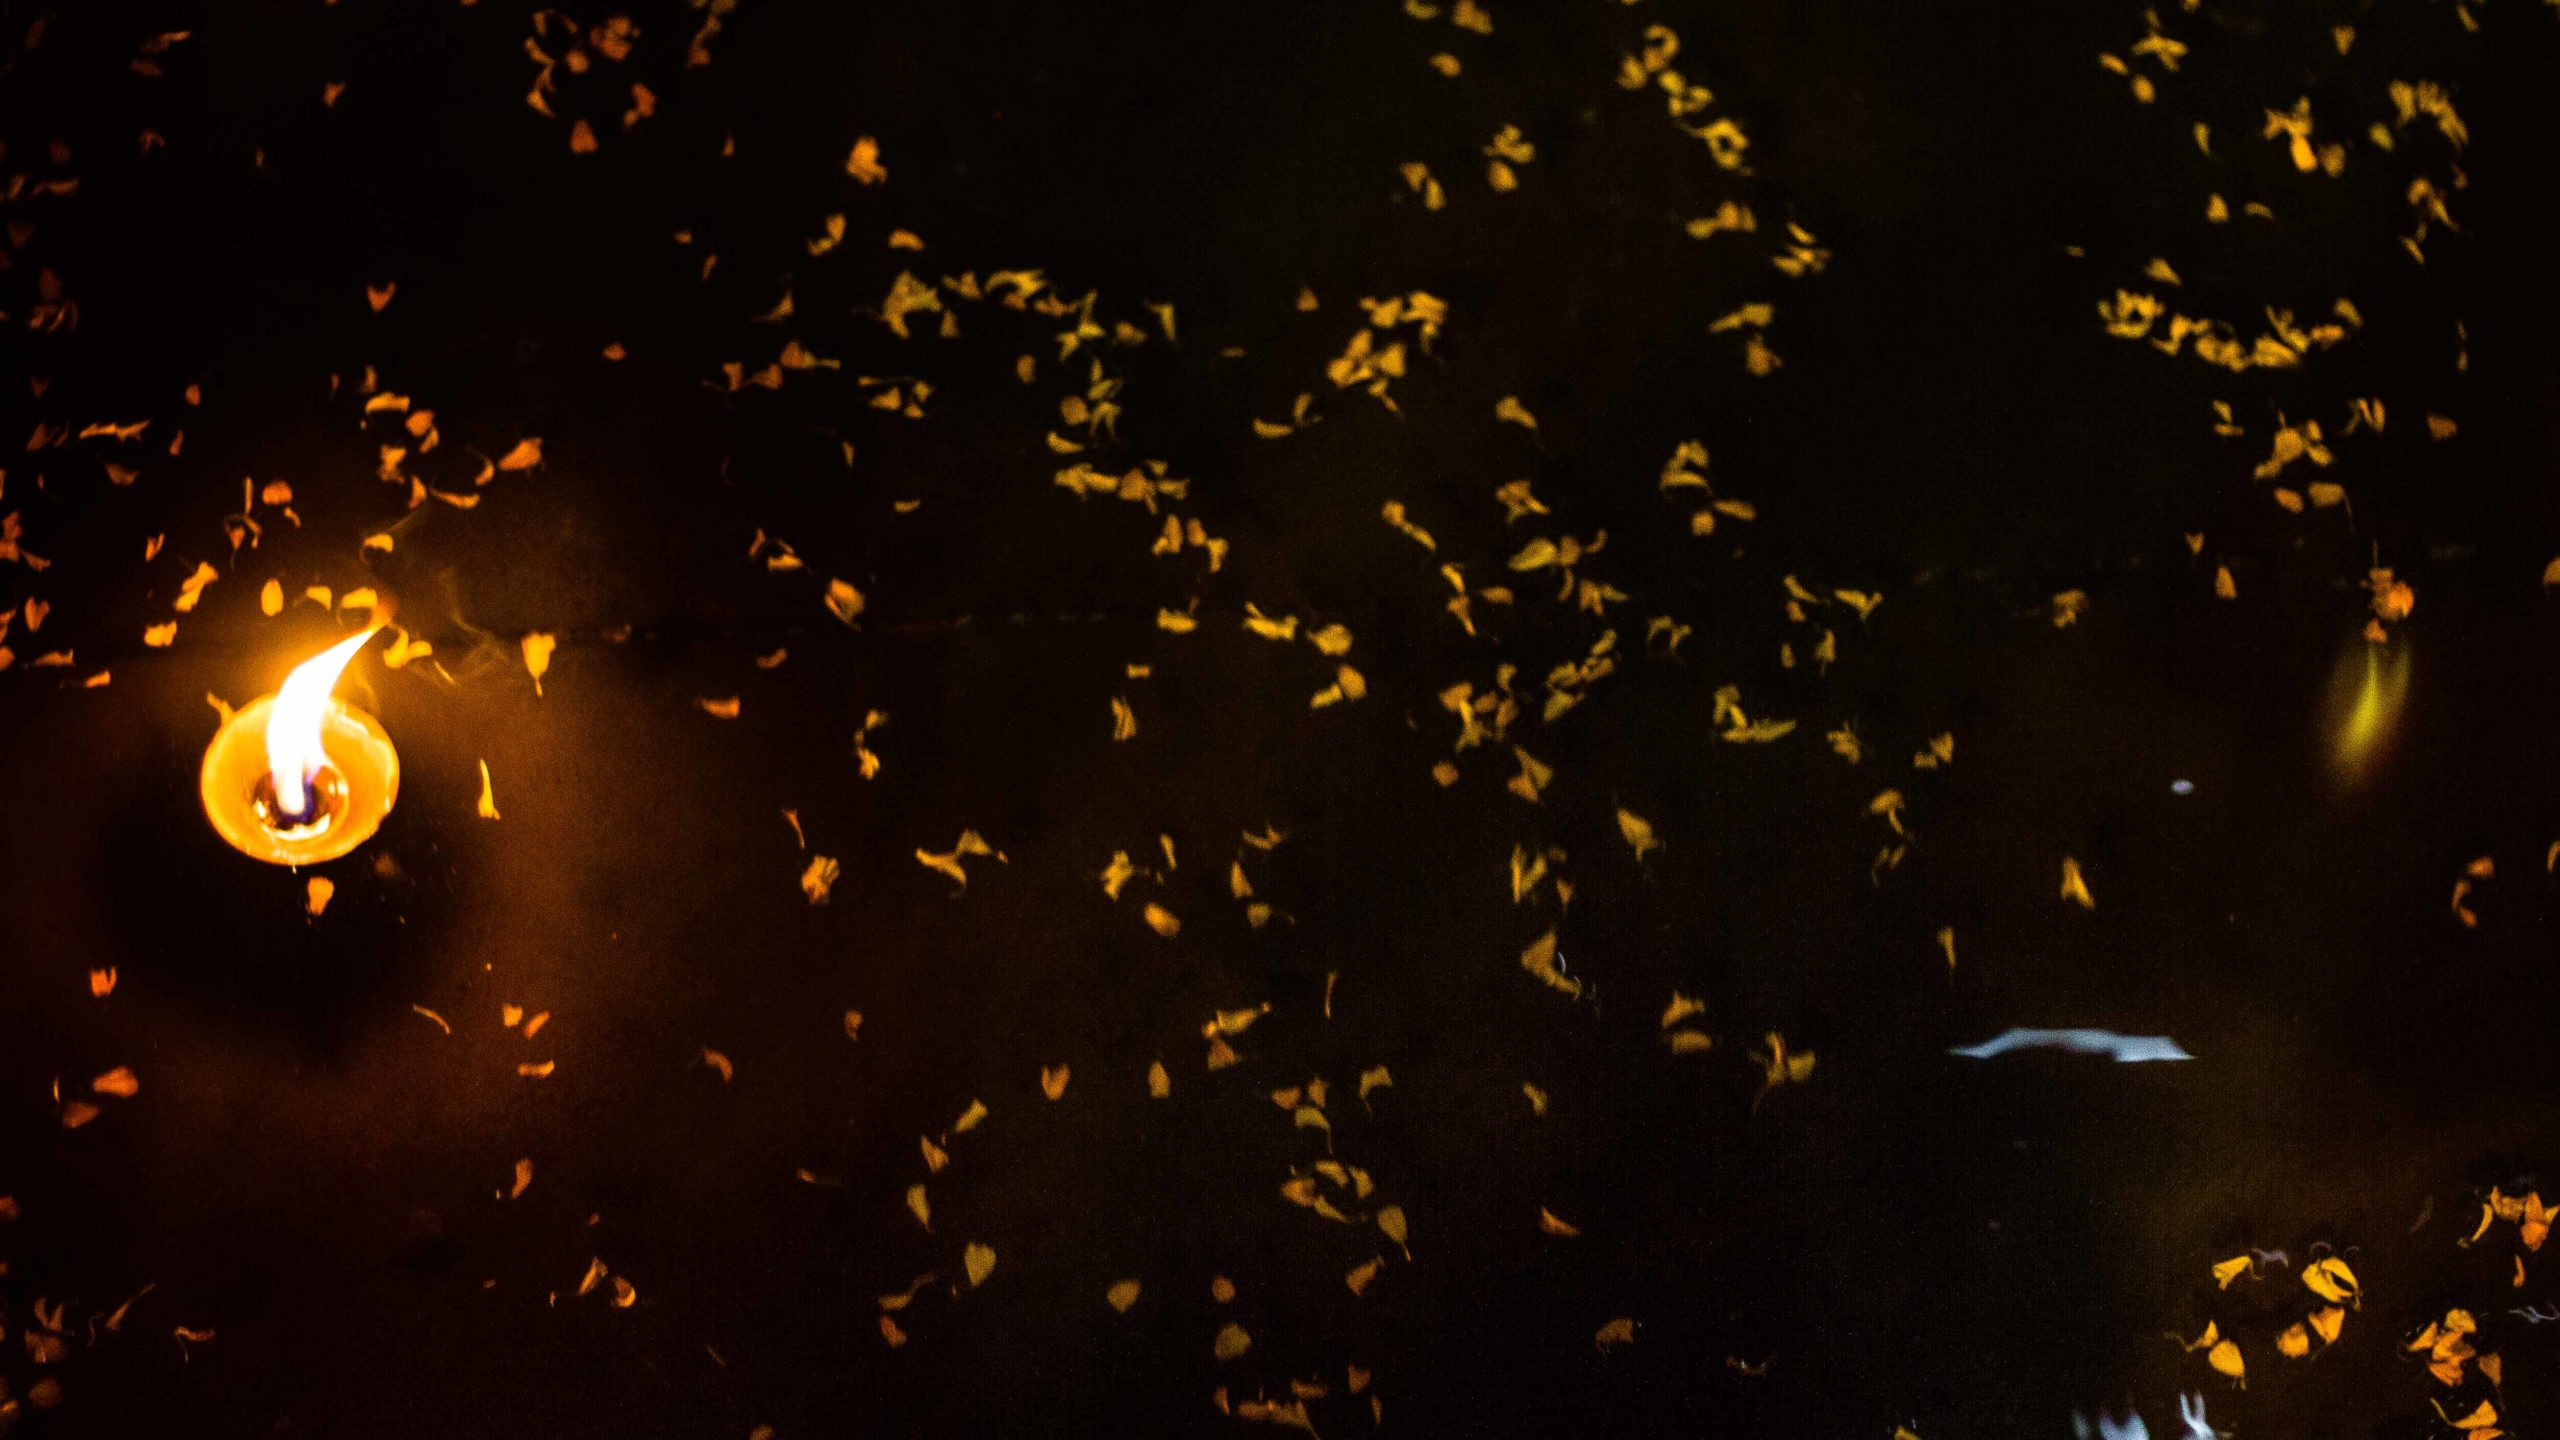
x: 301, y: 776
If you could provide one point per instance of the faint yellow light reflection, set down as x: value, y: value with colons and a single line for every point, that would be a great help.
x: 2366, y: 695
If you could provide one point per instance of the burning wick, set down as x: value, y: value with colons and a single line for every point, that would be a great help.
x: 300, y: 776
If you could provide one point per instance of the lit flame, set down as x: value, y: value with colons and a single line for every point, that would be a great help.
x: 293, y: 726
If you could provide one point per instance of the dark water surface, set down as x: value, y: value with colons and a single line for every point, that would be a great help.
x: 318, y: 1175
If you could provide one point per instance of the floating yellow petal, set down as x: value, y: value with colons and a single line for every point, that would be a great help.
x: 1391, y: 1224
x: 819, y: 880
x: 1638, y: 831
x: 864, y: 163
x: 2225, y: 1357
x: 2330, y: 1279
x: 2073, y: 887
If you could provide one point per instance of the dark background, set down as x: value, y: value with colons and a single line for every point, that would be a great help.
x: 316, y: 1173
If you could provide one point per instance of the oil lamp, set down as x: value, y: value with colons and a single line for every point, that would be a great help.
x: 301, y: 776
